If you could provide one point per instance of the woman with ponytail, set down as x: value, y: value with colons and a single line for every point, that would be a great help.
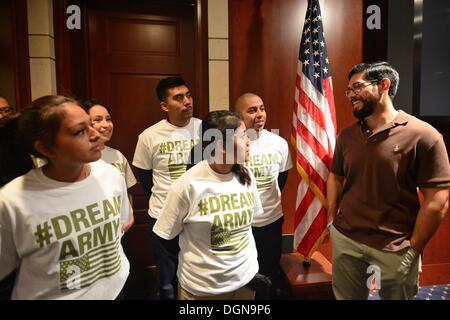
x: 60, y: 224
x: 211, y: 208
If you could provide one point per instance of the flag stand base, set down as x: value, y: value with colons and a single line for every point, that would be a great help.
x: 312, y: 282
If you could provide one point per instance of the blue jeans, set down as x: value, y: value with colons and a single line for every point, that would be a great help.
x: 166, y: 254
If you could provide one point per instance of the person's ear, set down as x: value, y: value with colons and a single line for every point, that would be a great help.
x: 43, y: 149
x: 385, y: 84
x: 163, y: 106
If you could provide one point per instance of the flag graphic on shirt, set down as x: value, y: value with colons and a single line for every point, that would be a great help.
x: 229, y: 242
x: 263, y: 183
x: 176, y: 170
x: 178, y: 153
x: 262, y: 167
x: 101, y: 262
x: 231, y: 216
x: 313, y: 133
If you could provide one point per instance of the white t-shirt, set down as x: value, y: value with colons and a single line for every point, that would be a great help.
x: 165, y: 148
x: 65, y: 237
x: 212, y: 213
x: 118, y: 160
x: 269, y: 155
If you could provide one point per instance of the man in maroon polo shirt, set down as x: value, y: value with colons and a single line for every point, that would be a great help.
x: 376, y: 221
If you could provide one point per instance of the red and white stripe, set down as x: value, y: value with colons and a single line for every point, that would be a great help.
x: 314, y: 138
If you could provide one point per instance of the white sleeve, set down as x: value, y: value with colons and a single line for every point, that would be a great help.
x: 286, y: 162
x: 258, y: 204
x: 143, y: 155
x: 170, y: 221
x: 9, y: 258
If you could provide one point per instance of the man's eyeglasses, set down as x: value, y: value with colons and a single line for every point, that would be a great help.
x: 358, y: 86
x: 5, y: 110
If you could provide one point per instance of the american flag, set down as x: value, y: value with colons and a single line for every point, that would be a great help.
x: 313, y: 133
x: 100, y: 262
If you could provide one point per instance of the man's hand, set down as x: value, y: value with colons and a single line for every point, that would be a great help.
x: 408, y: 262
x: 335, y: 185
x: 128, y: 225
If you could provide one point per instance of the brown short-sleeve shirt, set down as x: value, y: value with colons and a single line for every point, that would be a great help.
x: 382, y: 170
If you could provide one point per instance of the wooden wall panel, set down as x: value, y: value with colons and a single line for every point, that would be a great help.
x: 71, y: 51
x: 436, y: 257
x: 14, y: 58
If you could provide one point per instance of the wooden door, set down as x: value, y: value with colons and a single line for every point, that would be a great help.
x: 132, y: 45
x: 129, y: 53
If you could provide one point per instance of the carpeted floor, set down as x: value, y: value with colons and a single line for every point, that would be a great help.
x: 436, y: 292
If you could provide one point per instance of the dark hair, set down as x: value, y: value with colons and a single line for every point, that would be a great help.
x: 88, y: 104
x: 38, y: 122
x: 41, y: 121
x: 14, y: 158
x: 220, y: 120
x: 378, y: 71
x: 168, y: 83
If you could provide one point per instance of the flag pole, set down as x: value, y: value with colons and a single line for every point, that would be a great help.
x: 313, y: 135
